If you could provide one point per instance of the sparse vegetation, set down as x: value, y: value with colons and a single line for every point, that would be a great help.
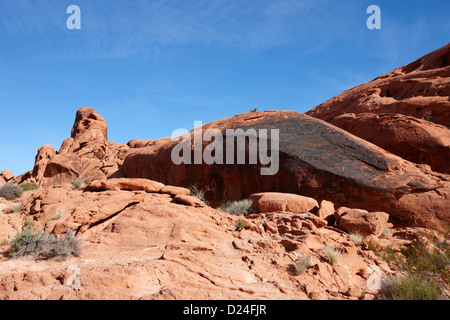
x: 31, y: 241
x: 78, y: 183
x: 28, y: 186
x: 303, y: 263
x: 240, y: 224
x: 62, y: 248
x: 15, y: 207
x: 254, y: 110
x: 426, y: 269
x: 409, y: 287
x: 11, y: 191
x: 27, y: 242
x: 198, y: 192
x: 357, y: 238
x: 331, y: 254
x: 241, y: 207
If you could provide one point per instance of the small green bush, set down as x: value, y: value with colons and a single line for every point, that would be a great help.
x: 303, y: 263
x: 242, y: 207
x: 240, y: 224
x: 78, y: 183
x: 11, y: 191
x: 331, y: 254
x: 28, y: 186
x: 27, y: 242
x: 410, y: 287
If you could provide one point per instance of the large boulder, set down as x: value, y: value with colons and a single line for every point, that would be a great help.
x: 363, y: 222
x: 316, y: 160
x: 7, y: 177
x: 274, y: 202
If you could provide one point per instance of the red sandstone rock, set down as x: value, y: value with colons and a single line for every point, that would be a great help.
x: 405, y: 111
x: 175, y: 191
x: 124, y: 184
x: 87, y: 154
x: 189, y: 200
x: 273, y: 202
x: 7, y: 177
x: 413, y: 139
x: 420, y: 89
x: 363, y: 222
x: 326, y: 211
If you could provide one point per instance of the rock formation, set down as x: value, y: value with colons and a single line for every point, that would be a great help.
x: 317, y: 160
x: 406, y: 111
x: 86, y: 155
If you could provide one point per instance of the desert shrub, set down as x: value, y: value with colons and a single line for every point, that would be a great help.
x: 62, y: 248
x: 240, y: 224
x: 409, y: 287
x: 59, y: 213
x: 357, y: 238
x: 303, y: 263
x: 15, y: 207
x: 331, y: 254
x: 419, y: 261
x: 11, y: 191
x: 27, y: 242
x: 198, y: 192
x: 241, y: 207
x: 28, y: 186
x: 78, y: 183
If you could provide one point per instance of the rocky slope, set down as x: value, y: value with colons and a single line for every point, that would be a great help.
x: 145, y: 244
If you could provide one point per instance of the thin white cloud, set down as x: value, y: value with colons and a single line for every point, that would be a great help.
x: 121, y: 28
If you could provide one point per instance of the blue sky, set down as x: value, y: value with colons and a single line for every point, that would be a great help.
x: 150, y: 67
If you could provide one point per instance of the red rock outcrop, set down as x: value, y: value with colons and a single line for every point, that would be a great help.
x: 413, y: 139
x: 316, y: 160
x: 363, y: 222
x: 7, y: 176
x: 420, y: 89
x: 273, y: 201
x: 87, y: 154
x: 140, y: 245
x: 406, y: 111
